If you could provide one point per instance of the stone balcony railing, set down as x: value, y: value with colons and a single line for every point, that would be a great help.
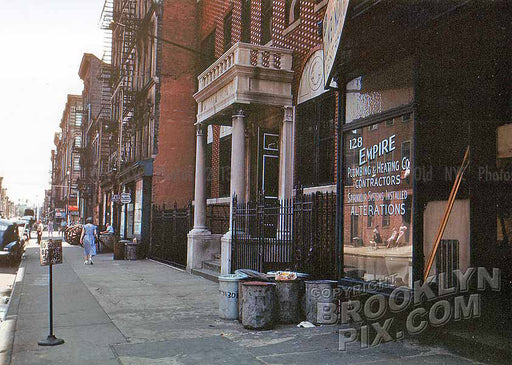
x: 246, y: 73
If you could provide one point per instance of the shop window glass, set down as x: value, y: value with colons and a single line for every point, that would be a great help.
x: 380, y: 91
x: 378, y: 203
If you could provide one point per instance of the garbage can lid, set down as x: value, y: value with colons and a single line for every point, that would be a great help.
x: 258, y: 283
x: 321, y: 282
x: 230, y: 277
x: 241, y: 274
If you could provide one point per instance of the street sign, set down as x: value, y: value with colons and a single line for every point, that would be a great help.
x: 51, y: 252
x: 115, y: 198
x: 126, y: 198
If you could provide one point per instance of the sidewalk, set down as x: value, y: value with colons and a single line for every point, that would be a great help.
x: 143, y: 312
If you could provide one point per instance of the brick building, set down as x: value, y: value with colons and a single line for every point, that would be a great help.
x: 265, y: 123
x: 152, y: 109
x: 66, y: 161
x: 97, y: 142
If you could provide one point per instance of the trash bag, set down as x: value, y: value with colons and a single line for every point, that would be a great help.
x: 72, y: 234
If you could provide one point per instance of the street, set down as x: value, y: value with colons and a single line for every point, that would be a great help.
x: 144, y: 312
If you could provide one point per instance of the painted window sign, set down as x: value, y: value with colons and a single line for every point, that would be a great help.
x: 378, y: 203
x: 334, y: 20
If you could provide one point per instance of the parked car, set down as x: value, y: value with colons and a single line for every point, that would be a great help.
x: 11, y: 246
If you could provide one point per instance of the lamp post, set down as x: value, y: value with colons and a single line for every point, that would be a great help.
x: 68, y: 173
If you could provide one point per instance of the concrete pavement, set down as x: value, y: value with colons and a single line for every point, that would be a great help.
x: 143, y: 312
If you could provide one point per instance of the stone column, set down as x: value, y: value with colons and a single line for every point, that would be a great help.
x: 237, y: 183
x: 286, y: 154
x: 286, y: 165
x: 200, y: 181
x: 199, y: 238
x: 238, y: 157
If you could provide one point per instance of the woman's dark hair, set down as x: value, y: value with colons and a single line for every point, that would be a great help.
x: 88, y: 220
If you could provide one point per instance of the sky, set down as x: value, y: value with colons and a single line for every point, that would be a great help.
x: 42, y: 44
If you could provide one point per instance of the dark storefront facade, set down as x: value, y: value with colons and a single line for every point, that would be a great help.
x: 423, y: 85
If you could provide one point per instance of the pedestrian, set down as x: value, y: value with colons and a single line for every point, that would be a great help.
x: 62, y: 226
x: 87, y: 239
x: 50, y: 228
x: 108, y: 229
x: 39, y: 229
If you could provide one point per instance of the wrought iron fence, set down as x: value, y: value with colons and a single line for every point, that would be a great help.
x: 296, y: 234
x: 217, y: 218
x: 169, y: 231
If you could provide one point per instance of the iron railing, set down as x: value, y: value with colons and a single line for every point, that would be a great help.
x: 296, y: 234
x: 217, y: 218
x: 169, y: 231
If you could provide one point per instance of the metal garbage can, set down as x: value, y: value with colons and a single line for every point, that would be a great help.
x: 288, y: 295
x: 243, y: 278
x: 120, y: 249
x: 319, y: 292
x: 228, y: 296
x: 131, y: 250
x: 258, y: 305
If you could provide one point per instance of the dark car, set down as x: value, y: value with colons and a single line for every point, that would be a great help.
x: 11, y: 246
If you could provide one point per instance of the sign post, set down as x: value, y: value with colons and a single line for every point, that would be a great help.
x: 50, y: 254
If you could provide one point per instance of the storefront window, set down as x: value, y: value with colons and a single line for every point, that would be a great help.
x: 378, y: 202
x: 380, y: 91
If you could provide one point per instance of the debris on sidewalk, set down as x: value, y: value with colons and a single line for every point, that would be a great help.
x: 305, y: 324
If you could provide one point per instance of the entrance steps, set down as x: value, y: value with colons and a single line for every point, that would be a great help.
x: 210, y: 269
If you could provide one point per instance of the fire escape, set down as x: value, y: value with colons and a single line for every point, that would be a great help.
x: 123, y: 25
x: 110, y: 136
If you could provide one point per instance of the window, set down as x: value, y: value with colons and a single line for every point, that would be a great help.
x: 406, y: 150
x: 76, y: 163
x: 292, y: 11
x: 369, y: 222
x: 385, y: 216
x: 389, y: 122
x: 266, y: 21
x: 246, y: 21
x: 228, y: 24
x: 316, y: 141
x: 225, y: 166
x: 208, y: 51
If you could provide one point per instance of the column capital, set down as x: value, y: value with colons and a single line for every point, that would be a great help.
x: 200, y: 130
x: 239, y: 113
x: 289, y: 112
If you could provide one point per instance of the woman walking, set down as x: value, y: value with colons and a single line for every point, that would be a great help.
x: 89, y: 231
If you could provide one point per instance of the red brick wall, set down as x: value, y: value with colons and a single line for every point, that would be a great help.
x: 304, y: 40
x: 174, y: 166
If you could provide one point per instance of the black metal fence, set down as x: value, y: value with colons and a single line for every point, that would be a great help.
x: 296, y: 234
x: 169, y: 231
x: 217, y: 218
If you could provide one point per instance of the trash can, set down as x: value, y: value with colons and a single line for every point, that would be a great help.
x: 288, y: 295
x: 131, y: 250
x: 119, y: 249
x: 258, y: 305
x: 243, y: 278
x: 319, y: 291
x: 228, y: 296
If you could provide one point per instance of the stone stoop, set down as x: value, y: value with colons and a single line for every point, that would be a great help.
x: 210, y: 269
